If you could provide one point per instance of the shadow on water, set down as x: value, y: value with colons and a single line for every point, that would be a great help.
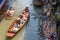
x: 39, y: 11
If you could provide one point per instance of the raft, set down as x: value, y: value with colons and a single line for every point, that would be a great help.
x: 49, y: 26
x: 12, y: 31
x: 9, y: 14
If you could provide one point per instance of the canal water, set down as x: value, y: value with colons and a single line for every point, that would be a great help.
x: 32, y: 30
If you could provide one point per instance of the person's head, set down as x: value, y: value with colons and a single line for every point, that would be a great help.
x: 26, y: 6
x: 18, y: 22
x: 9, y: 8
x: 21, y: 16
x: 48, y: 13
x: 52, y: 29
x: 22, y: 12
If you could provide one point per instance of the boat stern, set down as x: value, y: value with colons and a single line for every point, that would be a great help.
x: 10, y: 34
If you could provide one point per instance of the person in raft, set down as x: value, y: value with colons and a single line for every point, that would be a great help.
x: 26, y: 11
x: 16, y: 26
x: 12, y: 11
x: 8, y: 12
x: 21, y: 18
x: 26, y: 8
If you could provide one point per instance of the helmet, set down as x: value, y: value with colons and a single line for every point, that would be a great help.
x: 26, y: 6
x: 48, y: 14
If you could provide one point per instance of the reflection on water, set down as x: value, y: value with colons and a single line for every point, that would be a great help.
x: 33, y: 29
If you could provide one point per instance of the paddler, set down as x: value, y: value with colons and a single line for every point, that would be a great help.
x: 26, y: 8
x: 16, y: 26
x: 46, y: 16
x: 45, y: 9
x: 21, y: 18
x: 12, y: 12
x: 8, y: 12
